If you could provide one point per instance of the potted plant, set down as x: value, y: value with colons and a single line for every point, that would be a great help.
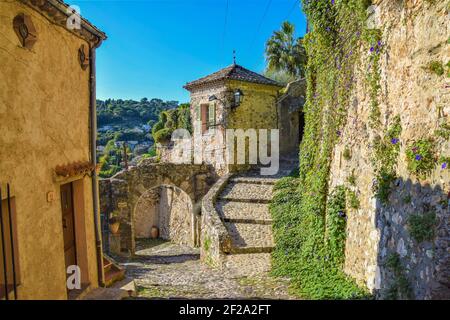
x: 154, y: 232
x: 114, y: 222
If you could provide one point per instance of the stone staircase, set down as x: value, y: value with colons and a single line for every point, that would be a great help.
x: 244, y: 208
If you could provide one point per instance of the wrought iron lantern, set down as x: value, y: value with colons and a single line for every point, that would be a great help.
x: 238, y: 98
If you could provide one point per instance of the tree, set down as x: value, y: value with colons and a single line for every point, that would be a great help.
x: 285, y: 53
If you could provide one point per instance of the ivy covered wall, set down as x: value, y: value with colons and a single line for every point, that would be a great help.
x: 373, y: 161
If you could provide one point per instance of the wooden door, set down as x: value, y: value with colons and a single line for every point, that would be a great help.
x: 68, y: 224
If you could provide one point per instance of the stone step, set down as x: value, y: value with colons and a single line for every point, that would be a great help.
x: 255, y: 180
x: 250, y: 237
x: 244, y: 212
x: 248, y: 264
x: 247, y: 192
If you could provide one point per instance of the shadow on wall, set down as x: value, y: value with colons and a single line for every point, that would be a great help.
x: 168, y: 208
x: 413, y: 251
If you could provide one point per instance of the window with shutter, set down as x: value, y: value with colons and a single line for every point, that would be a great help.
x: 197, y: 113
x: 212, y: 115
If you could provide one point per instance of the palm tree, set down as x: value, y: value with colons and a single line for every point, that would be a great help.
x: 285, y: 53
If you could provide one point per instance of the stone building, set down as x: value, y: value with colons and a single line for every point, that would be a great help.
x: 47, y: 153
x: 237, y: 98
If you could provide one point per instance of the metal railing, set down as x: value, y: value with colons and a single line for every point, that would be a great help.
x: 8, y: 258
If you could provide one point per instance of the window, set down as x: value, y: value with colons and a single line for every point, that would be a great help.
x: 8, y: 249
x: 206, y: 113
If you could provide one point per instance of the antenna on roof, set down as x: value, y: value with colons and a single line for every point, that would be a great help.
x: 234, y: 57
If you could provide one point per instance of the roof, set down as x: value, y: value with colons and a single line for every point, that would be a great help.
x: 233, y: 72
x: 58, y: 11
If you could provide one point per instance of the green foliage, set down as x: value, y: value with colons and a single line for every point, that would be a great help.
x: 400, y: 288
x: 443, y: 131
x: 309, y: 236
x: 353, y: 200
x: 170, y: 120
x: 351, y: 179
x: 386, y: 152
x: 347, y: 154
x: 422, y: 226
x: 163, y: 135
x: 286, y: 53
x: 407, y: 199
x: 421, y: 157
x: 436, y: 67
x: 110, y: 161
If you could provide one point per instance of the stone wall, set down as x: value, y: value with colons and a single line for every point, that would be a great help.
x: 415, y: 33
x: 214, y: 238
x: 126, y: 190
x: 290, y: 116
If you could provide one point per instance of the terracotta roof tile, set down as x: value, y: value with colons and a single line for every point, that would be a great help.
x: 233, y: 72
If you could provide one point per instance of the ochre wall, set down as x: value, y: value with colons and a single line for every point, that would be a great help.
x: 44, y: 119
x: 258, y: 109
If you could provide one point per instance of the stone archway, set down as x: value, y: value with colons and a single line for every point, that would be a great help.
x: 123, y: 191
x: 171, y: 210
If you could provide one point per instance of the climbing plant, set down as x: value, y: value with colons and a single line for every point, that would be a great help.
x: 309, y: 221
x: 384, y: 159
x: 421, y: 157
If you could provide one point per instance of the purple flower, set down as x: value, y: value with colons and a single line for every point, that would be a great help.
x: 338, y: 133
x: 342, y: 214
x: 444, y: 165
x: 379, y: 43
x: 418, y: 157
x: 394, y: 141
x: 372, y: 49
x: 332, y: 1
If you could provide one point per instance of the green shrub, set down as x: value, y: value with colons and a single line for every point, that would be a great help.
x: 400, y: 287
x: 386, y: 152
x: 353, y: 200
x: 352, y: 179
x: 436, y: 68
x: 163, y: 135
x: 156, y: 127
x: 421, y: 157
x: 422, y: 226
x: 443, y: 131
x: 347, y: 154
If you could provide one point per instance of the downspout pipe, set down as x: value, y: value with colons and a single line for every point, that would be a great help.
x: 93, y: 144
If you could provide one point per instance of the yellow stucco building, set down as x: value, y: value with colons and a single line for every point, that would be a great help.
x: 47, y: 151
x: 232, y: 98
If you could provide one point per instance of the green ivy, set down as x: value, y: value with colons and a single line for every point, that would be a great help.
x: 309, y: 221
x: 421, y: 157
x: 436, y: 67
x: 353, y: 200
x: 386, y: 152
x: 351, y: 179
x: 443, y: 131
x: 400, y: 288
x: 421, y: 226
x: 347, y: 154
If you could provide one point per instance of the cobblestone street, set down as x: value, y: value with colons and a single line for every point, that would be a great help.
x: 169, y: 271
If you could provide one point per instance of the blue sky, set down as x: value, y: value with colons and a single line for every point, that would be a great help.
x: 155, y: 46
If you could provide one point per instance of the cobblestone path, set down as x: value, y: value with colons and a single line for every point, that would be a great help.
x: 170, y: 271
x: 166, y: 270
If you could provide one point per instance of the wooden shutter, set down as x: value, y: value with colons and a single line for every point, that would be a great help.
x: 212, y: 114
x: 204, y: 109
x: 197, y: 113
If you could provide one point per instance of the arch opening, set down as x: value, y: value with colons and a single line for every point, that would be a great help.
x: 171, y: 211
